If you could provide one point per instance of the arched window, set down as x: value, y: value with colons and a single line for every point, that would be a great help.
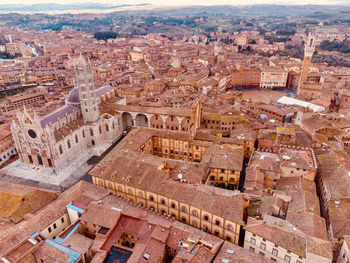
x: 162, y: 201
x: 91, y: 132
x: 100, y: 129
x: 76, y: 138
x: 83, y: 134
x: 107, y: 128
x: 140, y: 194
x: 184, y: 209
x: 151, y: 198
x: 60, y: 149
x: 229, y: 227
x: 113, y: 126
x: 68, y: 143
x: 195, y: 213
x: 120, y: 188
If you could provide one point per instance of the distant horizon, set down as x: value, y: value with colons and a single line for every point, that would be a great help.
x: 178, y: 2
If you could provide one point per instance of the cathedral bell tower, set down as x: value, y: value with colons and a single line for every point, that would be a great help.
x: 309, y: 51
x: 87, y: 94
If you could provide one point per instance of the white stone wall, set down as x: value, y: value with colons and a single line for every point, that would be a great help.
x: 112, y: 128
x: 344, y: 254
x: 89, y: 136
x: 56, y: 227
x: 73, y: 215
x: 68, y: 155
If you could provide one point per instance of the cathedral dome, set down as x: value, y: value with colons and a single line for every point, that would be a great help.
x: 73, y: 97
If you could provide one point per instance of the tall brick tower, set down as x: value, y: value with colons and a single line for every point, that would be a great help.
x: 309, y: 51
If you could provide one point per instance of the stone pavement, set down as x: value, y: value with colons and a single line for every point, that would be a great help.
x: 46, y: 182
x: 47, y: 178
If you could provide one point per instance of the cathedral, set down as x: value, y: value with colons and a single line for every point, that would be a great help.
x: 66, y: 138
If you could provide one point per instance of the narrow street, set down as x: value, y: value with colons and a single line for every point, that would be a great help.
x: 242, y: 177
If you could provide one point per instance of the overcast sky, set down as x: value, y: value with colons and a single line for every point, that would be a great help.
x: 182, y: 2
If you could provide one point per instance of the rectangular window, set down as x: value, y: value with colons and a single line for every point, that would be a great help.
x: 251, y: 249
x: 252, y: 240
x: 49, y: 229
x: 54, y: 226
x: 261, y: 254
x: 275, y: 252
x: 263, y: 246
x: 62, y: 219
x: 287, y: 258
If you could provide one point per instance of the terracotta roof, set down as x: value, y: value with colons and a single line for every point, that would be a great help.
x: 78, y: 242
x: 294, y: 184
x: 284, y: 234
x: 44, y: 217
x: 17, y: 200
x: 236, y: 254
x: 226, y: 157
x: 100, y: 215
x: 309, y: 222
x: 51, y: 254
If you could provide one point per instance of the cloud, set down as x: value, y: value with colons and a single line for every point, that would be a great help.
x: 181, y: 2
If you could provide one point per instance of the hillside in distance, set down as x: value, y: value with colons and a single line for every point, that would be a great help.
x: 61, y: 7
x: 231, y: 10
x: 250, y: 10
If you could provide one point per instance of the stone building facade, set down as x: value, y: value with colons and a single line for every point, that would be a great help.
x: 74, y: 132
